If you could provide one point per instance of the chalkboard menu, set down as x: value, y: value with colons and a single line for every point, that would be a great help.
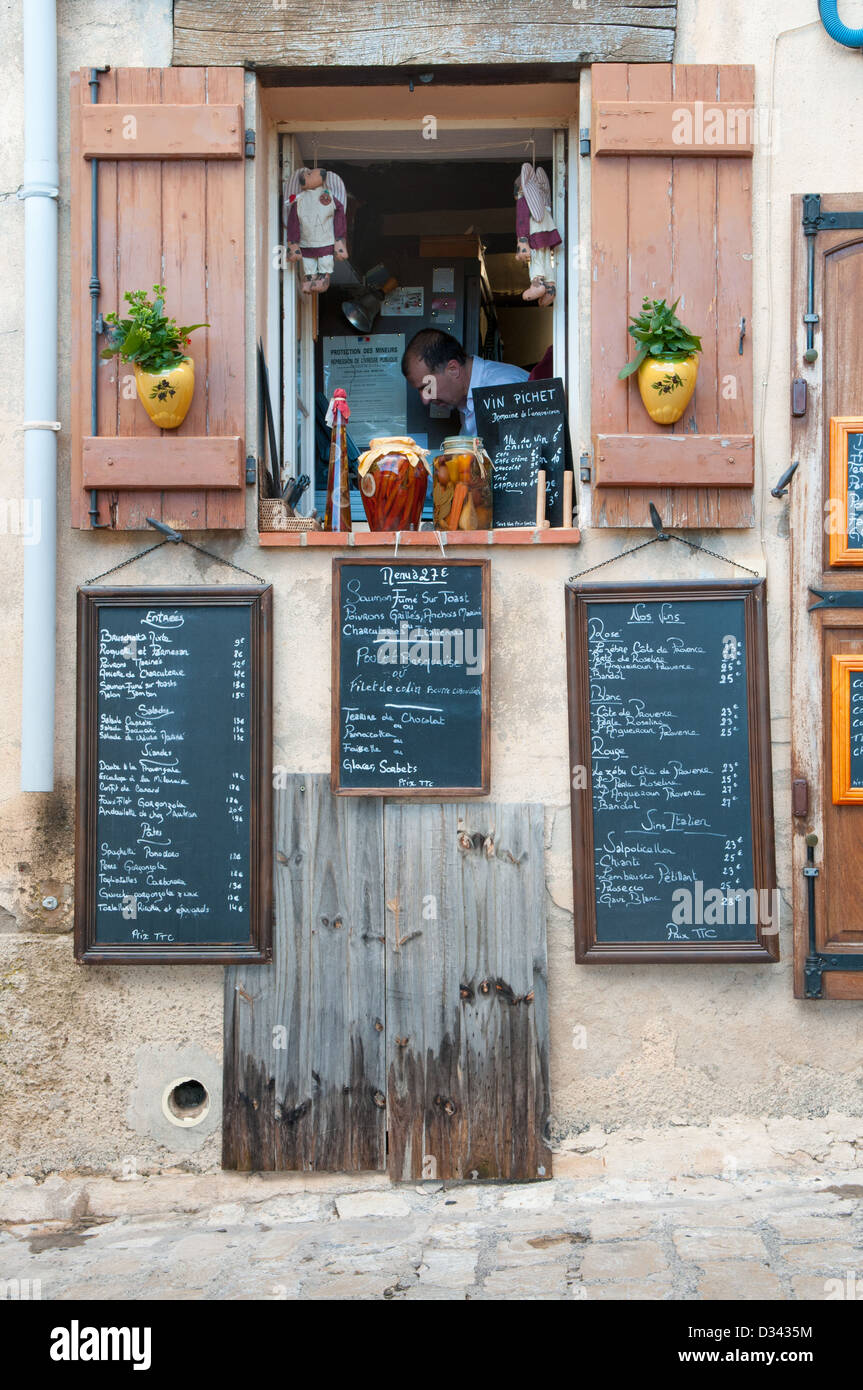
x: 845, y: 509
x: 855, y: 491
x: 524, y: 428
x: 855, y: 739
x: 671, y: 782
x: 174, y: 780
x: 847, y: 728
x: 410, y: 678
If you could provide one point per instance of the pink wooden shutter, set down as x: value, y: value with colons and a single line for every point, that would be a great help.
x: 170, y: 146
x: 671, y: 195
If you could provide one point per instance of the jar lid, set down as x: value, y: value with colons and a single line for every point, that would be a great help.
x: 394, y: 444
x: 467, y: 444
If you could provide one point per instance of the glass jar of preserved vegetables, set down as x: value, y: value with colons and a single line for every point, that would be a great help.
x: 461, y: 491
x: 394, y: 476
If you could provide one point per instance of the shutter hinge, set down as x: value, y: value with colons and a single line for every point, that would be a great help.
x: 584, y: 468
x: 250, y: 144
x: 251, y: 469
x: 584, y: 140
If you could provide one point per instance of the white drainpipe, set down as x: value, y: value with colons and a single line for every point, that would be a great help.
x: 39, y: 512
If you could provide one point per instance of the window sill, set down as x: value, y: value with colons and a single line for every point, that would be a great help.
x: 339, y: 540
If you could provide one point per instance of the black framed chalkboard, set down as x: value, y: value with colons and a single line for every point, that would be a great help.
x: 411, y: 680
x: 174, y: 777
x: 672, y: 814
x: 524, y: 428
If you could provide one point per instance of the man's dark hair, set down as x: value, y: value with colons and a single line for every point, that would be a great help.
x: 434, y: 348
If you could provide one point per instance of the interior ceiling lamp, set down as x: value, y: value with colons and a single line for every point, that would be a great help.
x: 362, y: 311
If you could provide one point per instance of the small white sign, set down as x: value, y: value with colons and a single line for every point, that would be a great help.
x: 406, y: 302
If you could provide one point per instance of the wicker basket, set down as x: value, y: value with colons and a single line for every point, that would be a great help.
x: 274, y: 514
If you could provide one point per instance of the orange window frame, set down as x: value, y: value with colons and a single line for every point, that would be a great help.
x: 841, y: 427
x: 844, y: 794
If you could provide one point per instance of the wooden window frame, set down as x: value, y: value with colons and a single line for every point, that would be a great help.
x: 293, y: 336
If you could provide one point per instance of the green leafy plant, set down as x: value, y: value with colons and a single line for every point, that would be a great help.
x: 659, y: 333
x: 147, y: 336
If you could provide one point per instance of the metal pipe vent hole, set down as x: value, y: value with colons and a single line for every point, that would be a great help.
x: 185, y: 1101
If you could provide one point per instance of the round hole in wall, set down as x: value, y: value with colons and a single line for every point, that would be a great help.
x: 185, y: 1101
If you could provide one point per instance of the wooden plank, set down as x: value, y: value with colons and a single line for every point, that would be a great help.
x: 170, y: 462
x: 139, y: 267
x: 169, y: 131
x: 226, y: 302
x: 325, y: 33
x: 467, y: 1020
x: 304, y: 1084
x: 609, y: 221
x: 675, y: 460
x: 717, y: 128
x: 735, y: 369
x: 184, y: 254
x: 80, y: 273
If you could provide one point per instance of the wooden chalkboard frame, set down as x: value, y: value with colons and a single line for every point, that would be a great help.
x: 588, y: 950
x: 412, y: 793
x: 841, y: 553
x: 844, y: 793
x: 259, y: 599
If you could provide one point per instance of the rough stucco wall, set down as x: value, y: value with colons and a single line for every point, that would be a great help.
x: 685, y: 1070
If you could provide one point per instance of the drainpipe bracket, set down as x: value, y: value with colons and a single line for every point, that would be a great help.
x: 42, y: 425
x: 37, y: 190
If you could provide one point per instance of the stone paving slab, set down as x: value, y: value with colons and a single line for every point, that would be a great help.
x: 562, y: 1239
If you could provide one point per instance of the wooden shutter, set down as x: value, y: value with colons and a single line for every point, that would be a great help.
x: 671, y: 195
x: 834, y: 389
x: 170, y: 149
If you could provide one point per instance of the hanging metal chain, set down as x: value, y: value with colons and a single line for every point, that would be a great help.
x: 213, y: 556
x: 666, y: 536
x: 613, y: 561
x: 131, y: 560
x: 176, y: 537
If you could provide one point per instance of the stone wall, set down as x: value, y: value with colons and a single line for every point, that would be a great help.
x: 685, y: 1069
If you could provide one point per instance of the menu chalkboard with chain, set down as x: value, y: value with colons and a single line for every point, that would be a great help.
x: 671, y: 780
x: 174, y: 778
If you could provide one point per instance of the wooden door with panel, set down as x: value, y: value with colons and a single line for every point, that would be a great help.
x: 827, y: 289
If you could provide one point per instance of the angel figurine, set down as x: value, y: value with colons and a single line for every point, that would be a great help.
x: 316, y: 225
x: 536, y: 232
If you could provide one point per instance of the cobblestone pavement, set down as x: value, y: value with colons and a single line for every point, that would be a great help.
x: 556, y: 1240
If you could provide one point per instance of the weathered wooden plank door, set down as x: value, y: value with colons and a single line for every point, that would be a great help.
x: 467, y: 1035
x: 835, y: 389
x: 403, y: 1022
x: 305, y: 1065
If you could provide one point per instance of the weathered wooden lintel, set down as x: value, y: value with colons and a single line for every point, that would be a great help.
x: 430, y: 33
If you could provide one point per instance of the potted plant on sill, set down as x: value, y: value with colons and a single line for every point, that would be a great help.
x: 164, y: 375
x: 666, y: 361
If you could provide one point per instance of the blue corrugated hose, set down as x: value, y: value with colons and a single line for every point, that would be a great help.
x: 829, y: 12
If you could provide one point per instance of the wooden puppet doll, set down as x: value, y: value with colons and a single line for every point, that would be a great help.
x: 316, y: 225
x: 536, y: 232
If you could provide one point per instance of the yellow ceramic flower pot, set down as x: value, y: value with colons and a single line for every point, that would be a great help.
x: 166, y: 396
x: 666, y: 385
